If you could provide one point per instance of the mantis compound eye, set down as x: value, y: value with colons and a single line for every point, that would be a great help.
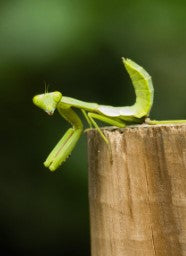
x: 48, y: 101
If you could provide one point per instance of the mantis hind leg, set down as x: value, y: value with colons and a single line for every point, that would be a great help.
x: 151, y: 122
x: 105, y: 119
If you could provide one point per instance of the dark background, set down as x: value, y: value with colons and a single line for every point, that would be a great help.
x: 76, y: 47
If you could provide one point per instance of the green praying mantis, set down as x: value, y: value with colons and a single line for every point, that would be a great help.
x: 115, y: 116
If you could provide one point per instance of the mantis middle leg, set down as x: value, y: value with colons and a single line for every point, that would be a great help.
x: 105, y: 119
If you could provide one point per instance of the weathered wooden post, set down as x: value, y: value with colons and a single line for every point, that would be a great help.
x: 137, y: 191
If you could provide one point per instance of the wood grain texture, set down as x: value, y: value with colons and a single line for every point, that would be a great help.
x: 137, y: 191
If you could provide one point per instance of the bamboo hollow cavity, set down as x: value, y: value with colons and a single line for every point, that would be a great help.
x: 137, y: 191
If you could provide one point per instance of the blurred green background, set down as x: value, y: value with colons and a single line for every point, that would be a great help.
x: 76, y: 47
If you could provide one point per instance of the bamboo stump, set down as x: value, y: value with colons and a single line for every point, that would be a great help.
x: 137, y: 191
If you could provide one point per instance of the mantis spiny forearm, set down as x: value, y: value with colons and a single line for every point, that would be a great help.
x: 116, y: 116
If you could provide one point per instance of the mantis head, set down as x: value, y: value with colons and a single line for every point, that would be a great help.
x: 47, y: 101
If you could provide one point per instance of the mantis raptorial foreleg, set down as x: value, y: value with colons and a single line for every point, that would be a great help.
x: 51, y: 159
x: 64, y: 147
x: 64, y: 150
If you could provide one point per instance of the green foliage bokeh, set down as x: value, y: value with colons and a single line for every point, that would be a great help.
x: 76, y: 47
